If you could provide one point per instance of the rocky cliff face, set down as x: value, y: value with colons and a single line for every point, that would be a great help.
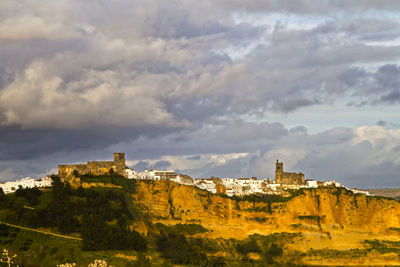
x: 314, y: 210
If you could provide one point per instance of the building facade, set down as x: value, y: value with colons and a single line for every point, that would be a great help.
x: 288, y: 178
x: 28, y: 182
x: 156, y: 175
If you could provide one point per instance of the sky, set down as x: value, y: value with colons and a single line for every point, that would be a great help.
x: 207, y: 88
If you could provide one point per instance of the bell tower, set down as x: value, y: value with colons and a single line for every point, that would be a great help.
x: 278, y: 172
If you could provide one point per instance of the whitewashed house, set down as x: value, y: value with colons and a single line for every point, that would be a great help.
x: 27, y: 182
x: 131, y: 173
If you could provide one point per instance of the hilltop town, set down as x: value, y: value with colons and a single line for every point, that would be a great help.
x: 230, y: 186
x: 151, y: 202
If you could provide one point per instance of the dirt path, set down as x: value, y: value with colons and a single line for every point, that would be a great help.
x: 42, y: 232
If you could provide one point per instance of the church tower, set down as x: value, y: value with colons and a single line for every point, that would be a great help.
x: 278, y: 172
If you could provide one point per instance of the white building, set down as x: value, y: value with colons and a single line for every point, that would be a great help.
x: 357, y: 191
x: 237, y: 189
x: 257, y: 186
x: 272, y: 187
x: 147, y: 175
x: 230, y: 192
x: 243, y: 181
x: 332, y: 183
x: 206, y: 184
x: 227, y: 181
x: 156, y: 175
x: 312, y: 184
x: 183, y: 179
x: 131, y: 173
x: 44, y: 182
x: 28, y: 182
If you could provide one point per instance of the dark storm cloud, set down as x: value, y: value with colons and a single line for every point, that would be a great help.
x: 392, y: 97
x: 142, y: 165
x: 295, y: 104
x: 381, y: 123
x: 194, y: 157
x: 20, y: 144
x: 230, y: 137
x: 161, y: 165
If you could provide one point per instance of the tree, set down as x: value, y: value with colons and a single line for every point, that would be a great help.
x: 75, y: 173
x: 176, y: 247
x: 273, y: 252
x: 93, y: 232
x: 80, y: 192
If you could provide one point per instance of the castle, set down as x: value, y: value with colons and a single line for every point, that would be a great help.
x: 282, y: 177
x: 94, y: 167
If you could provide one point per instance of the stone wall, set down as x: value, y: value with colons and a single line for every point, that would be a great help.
x: 101, y: 167
x: 282, y: 177
x: 66, y: 172
x: 292, y: 178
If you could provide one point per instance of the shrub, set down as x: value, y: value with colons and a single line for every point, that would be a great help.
x: 190, y: 229
x: 30, y: 194
x: 175, y: 247
x: 272, y: 252
x: 248, y: 246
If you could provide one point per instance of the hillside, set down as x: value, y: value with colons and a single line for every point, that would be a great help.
x: 143, y: 223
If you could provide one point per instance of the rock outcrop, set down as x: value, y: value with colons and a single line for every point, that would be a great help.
x: 324, y: 213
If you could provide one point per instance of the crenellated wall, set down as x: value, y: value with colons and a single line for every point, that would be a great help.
x: 66, y: 172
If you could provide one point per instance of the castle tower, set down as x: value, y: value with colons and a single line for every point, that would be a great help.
x: 278, y: 172
x: 119, y: 161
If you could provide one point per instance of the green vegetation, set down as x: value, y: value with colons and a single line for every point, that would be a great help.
x: 178, y: 249
x: 255, y: 198
x: 372, y: 248
x: 383, y: 246
x: 296, y: 225
x: 269, y: 248
x: 247, y: 246
x: 338, y: 254
x: 258, y: 219
x: 100, y: 216
x: 315, y: 218
x: 309, y: 217
x: 257, y: 209
x: 35, y: 249
x: 189, y: 229
x: 128, y: 185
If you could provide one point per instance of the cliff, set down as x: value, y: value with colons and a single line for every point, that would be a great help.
x: 326, y: 217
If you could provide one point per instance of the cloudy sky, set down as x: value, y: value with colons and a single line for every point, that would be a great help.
x: 211, y: 87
